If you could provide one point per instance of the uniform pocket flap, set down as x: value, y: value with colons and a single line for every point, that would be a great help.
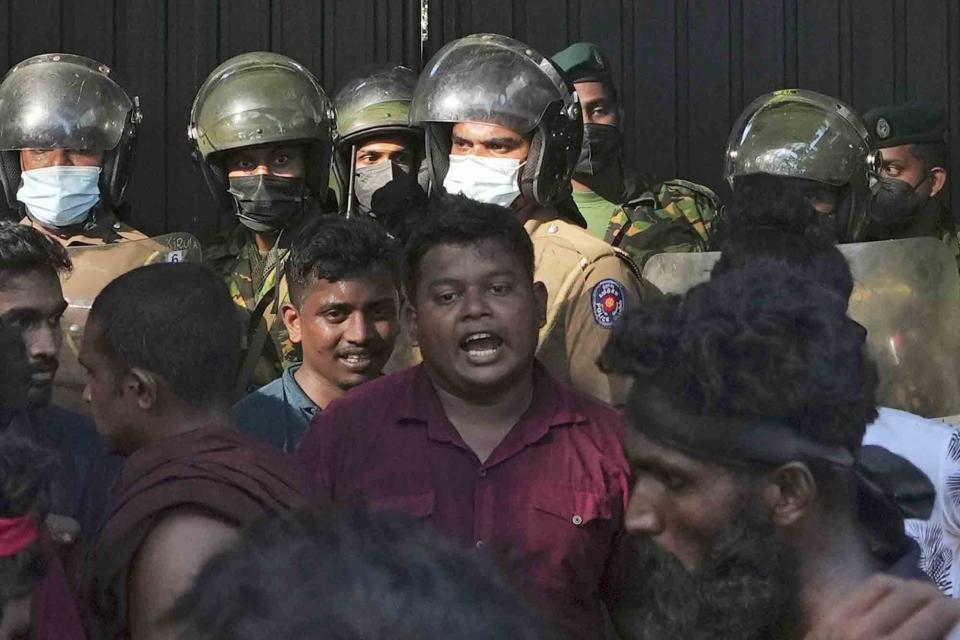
x: 419, y: 505
x: 577, y: 507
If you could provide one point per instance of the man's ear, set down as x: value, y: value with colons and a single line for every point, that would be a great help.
x: 938, y: 178
x: 409, y: 319
x: 291, y: 319
x: 143, y: 386
x: 540, y: 295
x: 790, y: 493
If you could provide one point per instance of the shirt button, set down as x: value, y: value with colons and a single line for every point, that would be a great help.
x: 483, y: 473
x: 577, y: 520
x: 481, y: 544
x: 553, y: 228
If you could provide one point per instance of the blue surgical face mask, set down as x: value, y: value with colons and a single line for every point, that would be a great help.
x: 490, y: 180
x: 60, y: 196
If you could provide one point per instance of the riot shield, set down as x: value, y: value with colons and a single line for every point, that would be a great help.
x: 93, y: 268
x: 907, y: 295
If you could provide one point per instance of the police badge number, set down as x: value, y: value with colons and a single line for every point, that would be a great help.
x: 609, y: 301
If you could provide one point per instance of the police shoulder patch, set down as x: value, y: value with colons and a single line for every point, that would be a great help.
x: 609, y: 302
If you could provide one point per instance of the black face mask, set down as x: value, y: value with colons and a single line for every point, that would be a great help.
x: 896, y: 201
x: 600, y: 149
x: 265, y: 203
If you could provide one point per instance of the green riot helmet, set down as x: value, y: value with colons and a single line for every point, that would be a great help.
x: 794, y: 133
x: 64, y: 101
x: 493, y: 79
x: 260, y: 98
x: 375, y: 103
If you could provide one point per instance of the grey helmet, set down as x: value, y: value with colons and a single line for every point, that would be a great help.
x: 492, y: 79
x: 795, y: 133
x: 65, y: 101
x: 373, y: 103
x: 261, y: 98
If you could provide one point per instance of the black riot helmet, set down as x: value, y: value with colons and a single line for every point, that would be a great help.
x: 261, y: 98
x: 492, y: 79
x: 65, y: 101
x: 805, y: 135
x: 376, y: 102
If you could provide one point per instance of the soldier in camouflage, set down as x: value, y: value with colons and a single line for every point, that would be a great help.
x: 906, y: 202
x: 262, y: 130
x: 641, y: 218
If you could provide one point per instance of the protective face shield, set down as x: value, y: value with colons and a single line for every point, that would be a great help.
x: 896, y: 201
x: 493, y: 79
x: 374, y: 105
x: 60, y: 196
x: 261, y: 98
x: 63, y: 101
x: 94, y: 267
x: 490, y: 180
x: 794, y: 133
x: 265, y: 203
x: 906, y: 294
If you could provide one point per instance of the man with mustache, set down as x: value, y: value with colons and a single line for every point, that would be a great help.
x: 343, y: 312
x: 31, y: 305
x: 479, y: 440
x: 750, y: 399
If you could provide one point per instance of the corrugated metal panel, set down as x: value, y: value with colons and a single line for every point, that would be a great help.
x: 686, y: 67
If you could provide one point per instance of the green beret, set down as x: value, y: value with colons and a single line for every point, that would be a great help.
x: 895, y: 124
x: 583, y: 62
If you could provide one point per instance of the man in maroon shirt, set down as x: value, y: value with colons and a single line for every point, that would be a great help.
x: 479, y: 440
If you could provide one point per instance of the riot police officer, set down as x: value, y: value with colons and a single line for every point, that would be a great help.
x: 67, y: 138
x: 503, y: 126
x: 378, y: 152
x: 641, y: 218
x: 262, y: 130
x: 799, y: 144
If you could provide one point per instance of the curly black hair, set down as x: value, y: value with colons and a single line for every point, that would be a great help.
x: 762, y: 341
x: 347, y: 574
x: 25, y: 471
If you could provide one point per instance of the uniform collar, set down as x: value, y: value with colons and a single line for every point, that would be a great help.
x: 101, y: 227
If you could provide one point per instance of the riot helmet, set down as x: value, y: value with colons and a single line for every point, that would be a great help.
x: 374, y: 104
x: 493, y: 79
x: 800, y: 134
x: 65, y: 101
x: 261, y: 98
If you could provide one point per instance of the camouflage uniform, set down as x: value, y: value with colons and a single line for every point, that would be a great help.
x: 672, y: 216
x: 254, y: 281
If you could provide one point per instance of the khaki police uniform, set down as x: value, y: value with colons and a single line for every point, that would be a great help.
x: 102, y: 228
x: 590, y: 285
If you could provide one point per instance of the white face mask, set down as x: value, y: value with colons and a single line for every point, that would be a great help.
x: 490, y: 180
x: 60, y: 196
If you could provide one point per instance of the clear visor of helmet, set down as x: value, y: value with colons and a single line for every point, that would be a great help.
x: 798, y: 137
x: 487, y: 79
x: 60, y: 104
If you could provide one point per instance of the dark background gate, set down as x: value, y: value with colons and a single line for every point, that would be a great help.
x: 686, y: 67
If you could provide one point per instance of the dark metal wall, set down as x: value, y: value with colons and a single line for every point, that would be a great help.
x: 686, y: 67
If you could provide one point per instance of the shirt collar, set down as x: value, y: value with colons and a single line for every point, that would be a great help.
x: 294, y: 393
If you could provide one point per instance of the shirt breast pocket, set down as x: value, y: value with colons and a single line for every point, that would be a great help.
x: 575, y: 528
x: 419, y: 505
